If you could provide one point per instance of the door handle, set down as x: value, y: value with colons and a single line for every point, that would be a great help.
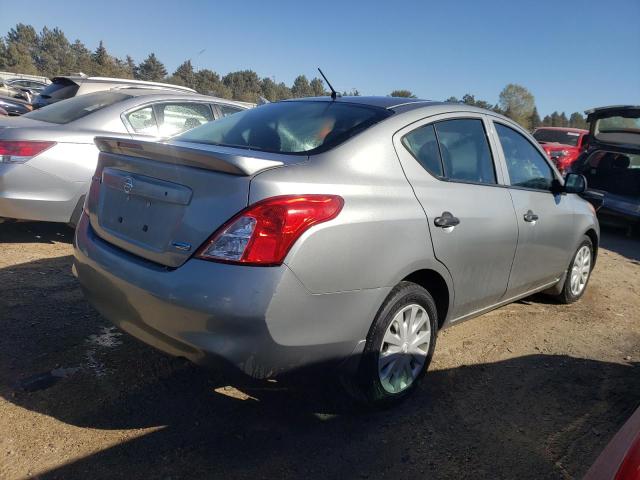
x: 530, y: 216
x: 446, y: 220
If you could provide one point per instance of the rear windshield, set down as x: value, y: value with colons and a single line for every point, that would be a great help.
x: 76, y: 107
x: 557, y: 136
x: 288, y: 127
x: 618, y: 129
x: 60, y: 89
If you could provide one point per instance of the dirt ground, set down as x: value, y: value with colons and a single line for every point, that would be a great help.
x: 533, y: 390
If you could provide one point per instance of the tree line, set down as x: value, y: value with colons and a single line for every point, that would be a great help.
x: 49, y: 53
x: 517, y: 103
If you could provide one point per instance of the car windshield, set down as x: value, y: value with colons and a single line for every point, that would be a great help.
x: 77, y: 107
x: 557, y: 136
x: 289, y: 127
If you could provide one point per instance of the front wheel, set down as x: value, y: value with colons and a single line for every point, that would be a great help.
x: 399, y: 346
x: 579, y: 272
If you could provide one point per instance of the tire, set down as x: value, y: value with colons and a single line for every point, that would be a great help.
x: 405, y: 299
x: 570, y: 294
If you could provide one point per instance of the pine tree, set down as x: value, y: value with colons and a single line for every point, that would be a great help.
x: 576, y: 120
x: 208, y: 83
x: 20, y: 49
x: 184, y: 75
x: 130, y: 66
x: 100, y: 56
x: 151, y: 69
x: 244, y: 85
x: 301, y: 87
x: 82, y: 62
x: 53, y: 54
x: 534, y: 120
x: 564, y: 121
x: 317, y: 87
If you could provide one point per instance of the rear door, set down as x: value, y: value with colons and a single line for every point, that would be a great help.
x: 449, y: 163
x: 545, y: 220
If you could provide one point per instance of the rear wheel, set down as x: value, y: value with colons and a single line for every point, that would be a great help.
x: 399, y: 346
x: 578, y: 273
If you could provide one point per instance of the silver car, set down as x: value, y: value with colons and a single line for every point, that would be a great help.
x: 325, y: 232
x: 62, y: 88
x: 47, y: 156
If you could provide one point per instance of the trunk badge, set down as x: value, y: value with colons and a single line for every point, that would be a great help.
x: 127, y: 185
x: 185, y: 247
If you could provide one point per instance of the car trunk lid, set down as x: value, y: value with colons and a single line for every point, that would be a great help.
x: 615, y: 126
x: 161, y: 201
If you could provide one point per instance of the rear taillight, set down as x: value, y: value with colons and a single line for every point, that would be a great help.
x: 20, y: 151
x: 263, y: 233
x: 94, y: 189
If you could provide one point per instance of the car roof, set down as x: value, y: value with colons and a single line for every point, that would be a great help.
x: 372, y: 101
x: 79, y: 79
x: 402, y: 105
x: 162, y: 94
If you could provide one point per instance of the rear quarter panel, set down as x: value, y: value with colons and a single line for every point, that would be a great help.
x: 380, y: 236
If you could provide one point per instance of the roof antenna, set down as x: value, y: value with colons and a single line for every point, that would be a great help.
x: 333, y: 92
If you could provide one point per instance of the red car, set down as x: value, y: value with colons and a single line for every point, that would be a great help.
x: 620, y: 460
x: 563, y: 145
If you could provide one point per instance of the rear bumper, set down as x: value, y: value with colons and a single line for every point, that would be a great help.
x: 260, y: 320
x: 28, y: 193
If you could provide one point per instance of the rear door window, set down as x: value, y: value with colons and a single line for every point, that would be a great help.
x: 227, y: 110
x: 423, y: 145
x: 175, y: 118
x: 143, y: 121
x: 466, y: 156
x: 526, y: 166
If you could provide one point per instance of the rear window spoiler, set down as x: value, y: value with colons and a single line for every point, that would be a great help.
x: 209, y: 158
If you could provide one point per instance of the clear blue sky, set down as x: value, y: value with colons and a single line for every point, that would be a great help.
x: 571, y: 54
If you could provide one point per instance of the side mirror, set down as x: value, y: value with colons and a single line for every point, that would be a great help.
x: 575, y: 183
x: 585, y: 142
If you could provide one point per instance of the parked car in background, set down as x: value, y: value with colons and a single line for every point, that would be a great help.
x: 33, y: 87
x: 21, y: 88
x: 62, y: 88
x: 562, y: 145
x: 318, y: 232
x: 611, y: 164
x: 47, y: 156
x: 14, y: 106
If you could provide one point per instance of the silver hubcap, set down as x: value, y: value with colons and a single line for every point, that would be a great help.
x: 580, y: 270
x: 404, y: 348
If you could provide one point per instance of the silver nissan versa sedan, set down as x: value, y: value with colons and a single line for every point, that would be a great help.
x: 47, y: 156
x: 323, y: 232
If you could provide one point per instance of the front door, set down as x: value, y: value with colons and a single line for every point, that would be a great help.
x: 545, y: 220
x: 471, y: 218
